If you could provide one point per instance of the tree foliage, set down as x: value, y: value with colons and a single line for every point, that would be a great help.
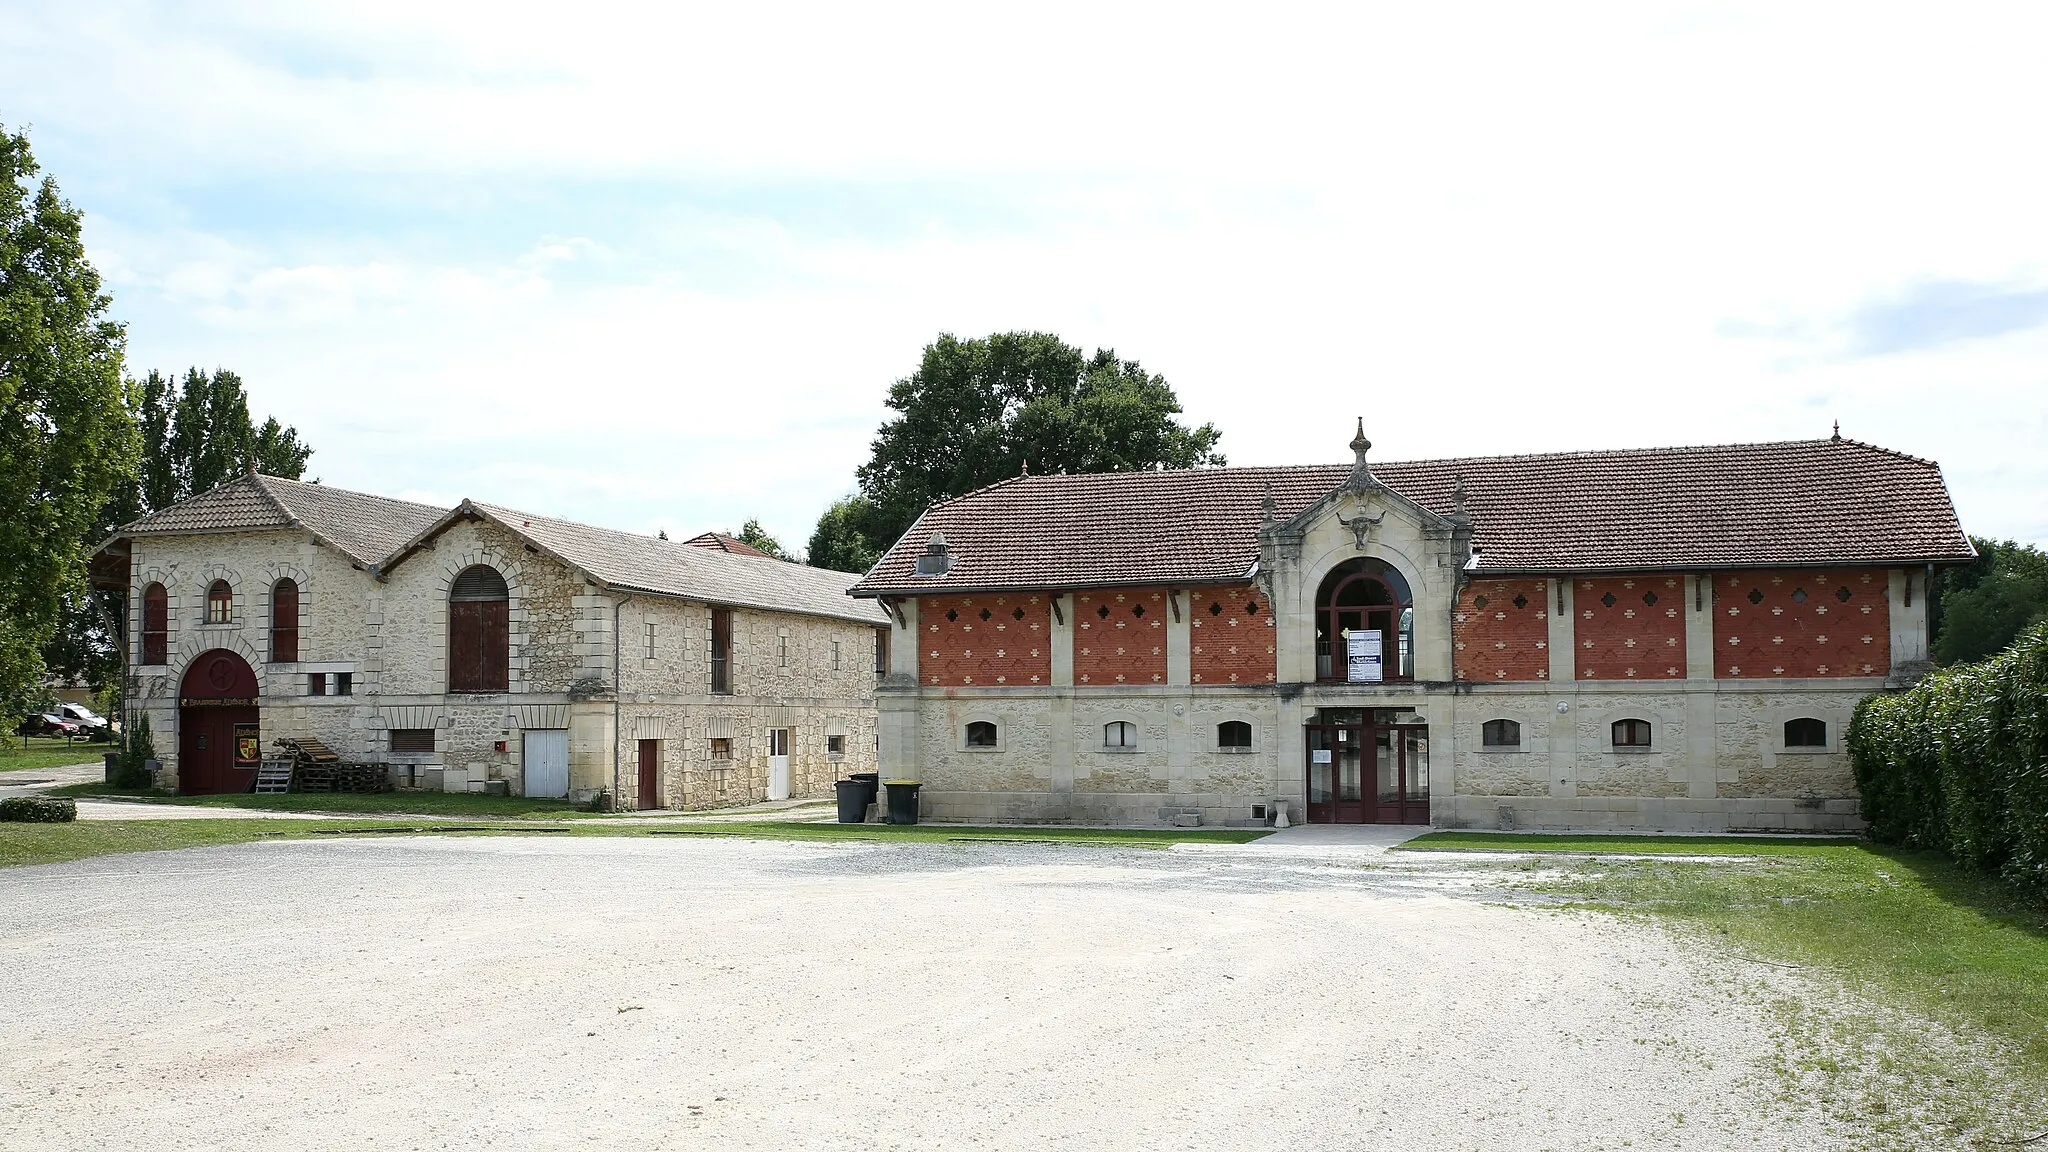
x: 66, y: 434
x: 1982, y: 608
x: 841, y: 542
x: 754, y: 536
x: 977, y: 411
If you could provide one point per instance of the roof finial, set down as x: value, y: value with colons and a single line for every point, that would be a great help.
x: 1269, y: 508
x: 1838, y: 431
x: 1361, y: 475
x: 1027, y: 467
x: 1458, y: 496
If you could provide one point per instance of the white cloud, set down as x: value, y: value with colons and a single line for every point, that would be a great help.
x: 1487, y: 229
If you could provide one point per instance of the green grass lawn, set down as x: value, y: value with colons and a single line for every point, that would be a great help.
x: 19, y: 753
x: 55, y: 843
x: 353, y: 803
x: 1906, y: 929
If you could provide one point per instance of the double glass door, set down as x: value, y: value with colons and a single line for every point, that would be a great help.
x: 1368, y: 773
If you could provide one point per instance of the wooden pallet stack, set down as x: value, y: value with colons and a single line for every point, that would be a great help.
x: 318, y: 768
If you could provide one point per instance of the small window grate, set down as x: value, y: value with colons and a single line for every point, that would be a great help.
x: 1843, y: 593
x: 1138, y: 610
x: 1215, y: 608
x: 478, y: 582
x: 1521, y: 601
x: 1252, y: 609
x: 1016, y: 614
x: 987, y: 615
x: 1756, y: 595
x: 951, y: 615
x: 412, y: 739
x: 1479, y: 601
x: 1608, y: 600
x: 1650, y: 598
x: 1799, y: 595
x: 1103, y: 611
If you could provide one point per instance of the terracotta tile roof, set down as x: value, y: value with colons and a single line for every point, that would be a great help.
x: 363, y: 527
x: 1796, y: 502
x: 724, y: 543
x: 636, y: 563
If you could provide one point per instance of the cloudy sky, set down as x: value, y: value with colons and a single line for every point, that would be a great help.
x: 657, y: 266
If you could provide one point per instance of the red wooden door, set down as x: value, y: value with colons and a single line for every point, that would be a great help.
x: 650, y: 774
x: 219, y: 725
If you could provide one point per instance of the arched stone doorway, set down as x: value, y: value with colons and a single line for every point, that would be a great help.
x: 220, y: 738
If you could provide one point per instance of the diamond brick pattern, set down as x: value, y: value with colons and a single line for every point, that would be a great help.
x: 1796, y: 622
x: 1230, y: 642
x: 1630, y: 627
x: 1500, y: 631
x: 960, y: 649
x: 1119, y: 636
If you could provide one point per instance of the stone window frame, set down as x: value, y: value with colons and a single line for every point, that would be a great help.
x: 1837, y: 724
x: 1002, y: 732
x: 1137, y: 734
x: 830, y: 753
x: 275, y: 573
x: 158, y: 578
x: 1632, y: 716
x: 203, y: 595
x: 450, y: 566
x: 1520, y: 744
x: 1215, y: 731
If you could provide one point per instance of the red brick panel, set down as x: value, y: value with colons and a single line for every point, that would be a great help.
x: 1120, y: 636
x: 1501, y: 631
x: 1232, y: 633
x: 1630, y: 628
x: 1802, y: 622
x: 995, y: 639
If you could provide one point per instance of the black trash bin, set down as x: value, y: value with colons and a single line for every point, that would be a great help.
x: 872, y: 781
x: 853, y: 801
x: 902, y: 801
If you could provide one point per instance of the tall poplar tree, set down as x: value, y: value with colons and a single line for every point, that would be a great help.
x: 67, y: 438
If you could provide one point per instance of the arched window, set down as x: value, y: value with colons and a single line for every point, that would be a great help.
x: 1631, y: 733
x: 981, y: 734
x: 1500, y: 734
x: 479, y: 632
x: 1806, y: 732
x: 284, y: 622
x: 1119, y: 734
x: 1365, y: 597
x: 1234, y: 734
x: 156, y: 625
x: 220, y: 603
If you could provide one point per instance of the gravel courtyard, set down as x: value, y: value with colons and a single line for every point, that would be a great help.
x: 550, y: 992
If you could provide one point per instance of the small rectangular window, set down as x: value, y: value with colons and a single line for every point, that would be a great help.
x: 1234, y: 734
x: 835, y: 745
x: 721, y: 747
x: 782, y: 650
x: 344, y: 683
x: 647, y: 640
x: 412, y: 739
x: 721, y: 652
x: 881, y: 651
x: 1500, y: 734
x: 1631, y: 733
x: 1120, y: 734
x: 981, y: 734
x: 316, y: 683
x: 835, y: 655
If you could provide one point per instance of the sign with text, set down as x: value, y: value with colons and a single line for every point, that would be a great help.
x: 1362, y: 657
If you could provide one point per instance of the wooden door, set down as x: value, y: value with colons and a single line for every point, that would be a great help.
x: 778, y: 764
x: 1338, y: 774
x: 650, y: 774
x: 544, y: 762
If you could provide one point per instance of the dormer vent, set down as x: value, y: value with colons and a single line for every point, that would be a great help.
x: 935, y: 561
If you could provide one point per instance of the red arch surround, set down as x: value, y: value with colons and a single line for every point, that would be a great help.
x: 220, y: 736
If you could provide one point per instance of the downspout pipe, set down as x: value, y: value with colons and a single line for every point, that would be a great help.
x: 617, y: 688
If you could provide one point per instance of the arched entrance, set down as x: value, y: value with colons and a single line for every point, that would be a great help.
x: 220, y: 739
x: 1365, y: 598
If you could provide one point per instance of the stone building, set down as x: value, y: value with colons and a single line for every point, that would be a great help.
x: 482, y: 649
x: 1658, y: 639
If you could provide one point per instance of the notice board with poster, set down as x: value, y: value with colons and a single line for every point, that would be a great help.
x: 1362, y: 657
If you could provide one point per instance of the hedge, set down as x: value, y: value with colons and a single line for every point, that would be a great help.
x: 38, y: 809
x: 1959, y: 763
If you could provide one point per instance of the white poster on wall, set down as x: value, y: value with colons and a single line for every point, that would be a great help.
x: 1362, y: 657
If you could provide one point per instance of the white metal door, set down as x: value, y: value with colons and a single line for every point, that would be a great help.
x: 778, y: 763
x: 545, y: 760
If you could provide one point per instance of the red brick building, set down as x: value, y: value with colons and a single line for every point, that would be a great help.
x: 1664, y: 638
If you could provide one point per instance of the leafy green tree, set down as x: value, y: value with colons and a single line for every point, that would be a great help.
x: 754, y: 536
x: 842, y: 540
x: 67, y: 437
x: 978, y: 411
x: 1982, y: 608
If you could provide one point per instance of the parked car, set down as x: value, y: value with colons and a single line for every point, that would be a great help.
x: 49, y: 724
x: 94, y: 725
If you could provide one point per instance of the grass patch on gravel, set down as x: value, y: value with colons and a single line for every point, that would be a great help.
x: 351, y: 803
x: 1628, y: 845
x: 31, y: 753
x: 56, y: 843
x: 1905, y: 934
